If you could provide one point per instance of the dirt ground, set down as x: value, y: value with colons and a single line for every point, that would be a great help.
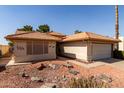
x: 11, y: 77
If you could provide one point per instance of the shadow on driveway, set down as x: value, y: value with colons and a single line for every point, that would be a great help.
x: 118, y: 63
x: 111, y: 60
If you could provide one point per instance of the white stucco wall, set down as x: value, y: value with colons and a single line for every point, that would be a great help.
x: 121, y: 44
x: 76, y: 50
x: 21, y: 54
x: 86, y: 51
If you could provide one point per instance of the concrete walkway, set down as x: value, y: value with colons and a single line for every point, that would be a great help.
x: 12, y: 63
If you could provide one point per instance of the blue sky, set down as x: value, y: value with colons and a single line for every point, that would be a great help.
x: 64, y: 19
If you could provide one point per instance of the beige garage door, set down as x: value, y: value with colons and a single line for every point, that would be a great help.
x: 101, y: 51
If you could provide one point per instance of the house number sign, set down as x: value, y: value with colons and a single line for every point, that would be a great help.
x: 20, y: 48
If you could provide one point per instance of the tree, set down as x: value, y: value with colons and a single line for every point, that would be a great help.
x: 117, y: 24
x: 10, y: 43
x: 26, y: 28
x: 43, y: 28
x: 77, y: 31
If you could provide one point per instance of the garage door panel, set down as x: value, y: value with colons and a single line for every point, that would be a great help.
x: 101, y: 51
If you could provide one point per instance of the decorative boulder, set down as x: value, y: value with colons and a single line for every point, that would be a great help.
x: 41, y: 67
x: 25, y: 75
x: 68, y: 65
x: 49, y: 85
x: 37, y: 79
x: 74, y: 72
x: 53, y: 66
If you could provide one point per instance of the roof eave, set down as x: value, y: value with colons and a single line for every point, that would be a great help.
x: 90, y: 39
x: 15, y: 38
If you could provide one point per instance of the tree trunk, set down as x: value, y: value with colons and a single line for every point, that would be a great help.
x: 117, y: 25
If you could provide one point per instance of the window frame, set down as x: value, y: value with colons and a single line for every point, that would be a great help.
x: 36, y: 45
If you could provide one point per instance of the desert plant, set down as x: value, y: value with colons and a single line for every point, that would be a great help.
x: 118, y: 54
x: 89, y: 82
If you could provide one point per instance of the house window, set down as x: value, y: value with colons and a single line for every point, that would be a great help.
x: 37, y: 47
x: 29, y: 48
x: 45, y: 47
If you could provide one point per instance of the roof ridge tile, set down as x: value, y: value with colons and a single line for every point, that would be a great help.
x: 87, y: 35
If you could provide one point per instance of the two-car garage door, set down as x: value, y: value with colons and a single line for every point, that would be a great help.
x: 101, y: 51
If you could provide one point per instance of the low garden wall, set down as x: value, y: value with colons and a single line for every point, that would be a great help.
x: 4, y: 51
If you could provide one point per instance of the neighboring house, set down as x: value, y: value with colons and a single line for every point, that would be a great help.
x: 85, y: 46
x: 121, y: 44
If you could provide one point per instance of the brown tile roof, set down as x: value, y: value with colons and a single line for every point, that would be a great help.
x: 21, y: 35
x: 56, y: 34
x: 20, y: 32
x: 89, y: 36
x: 33, y: 35
x: 51, y: 33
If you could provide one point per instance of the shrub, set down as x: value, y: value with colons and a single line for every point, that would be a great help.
x: 118, y: 54
x: 89, y: 82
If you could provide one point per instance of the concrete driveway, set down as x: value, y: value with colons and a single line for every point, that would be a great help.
x: 111, y: 62
x: 118, y: 63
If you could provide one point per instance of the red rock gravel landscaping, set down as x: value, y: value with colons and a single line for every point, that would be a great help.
x: 54, y: 72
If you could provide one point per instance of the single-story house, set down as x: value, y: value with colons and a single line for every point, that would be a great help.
x: 86, y: 46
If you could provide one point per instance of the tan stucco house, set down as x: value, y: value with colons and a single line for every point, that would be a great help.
x: 85, y: 46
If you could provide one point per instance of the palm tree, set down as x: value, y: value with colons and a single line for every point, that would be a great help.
x: 28, y: 28
x: 116, y: 24
x: 77, y: 31
x: 43, y: 28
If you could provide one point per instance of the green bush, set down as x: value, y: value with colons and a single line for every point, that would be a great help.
x: 90, y: 82
x: 118, y: 54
